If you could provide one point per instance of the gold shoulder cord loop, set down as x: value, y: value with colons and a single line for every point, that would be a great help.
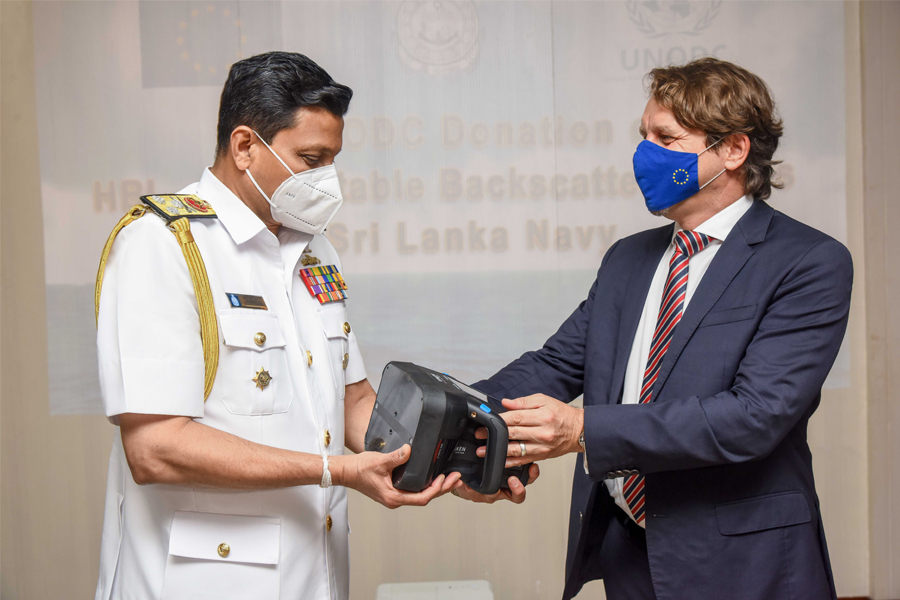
x: 209, y: 327
x: 134, y: 213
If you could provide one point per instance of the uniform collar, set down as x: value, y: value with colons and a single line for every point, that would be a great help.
x: 237, y: 218
x: 720, y: 224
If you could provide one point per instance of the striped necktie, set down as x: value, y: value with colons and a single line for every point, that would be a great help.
x: 687, y: 243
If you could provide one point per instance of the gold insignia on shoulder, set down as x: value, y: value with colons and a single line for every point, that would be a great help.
x: 175, y: 206
x: 262, y: 379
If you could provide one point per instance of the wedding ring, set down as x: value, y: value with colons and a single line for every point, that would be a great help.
x: 455, y: 493
x: 522, y: 448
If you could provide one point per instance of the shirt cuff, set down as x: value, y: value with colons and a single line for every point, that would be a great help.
x: 160, y: 387
x: 356, y: 369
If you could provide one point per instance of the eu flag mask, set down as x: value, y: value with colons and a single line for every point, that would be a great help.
x: 667, y: 177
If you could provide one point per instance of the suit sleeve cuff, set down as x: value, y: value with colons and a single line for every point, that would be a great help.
x: 607, y: 449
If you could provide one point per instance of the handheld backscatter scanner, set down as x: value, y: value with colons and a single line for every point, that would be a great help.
x: 437, y: 416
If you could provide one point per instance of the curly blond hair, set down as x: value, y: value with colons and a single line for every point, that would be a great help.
x: 721, y: 99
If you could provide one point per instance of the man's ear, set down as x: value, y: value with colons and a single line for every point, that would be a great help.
x: 242, y: 146
x: 736, y: 149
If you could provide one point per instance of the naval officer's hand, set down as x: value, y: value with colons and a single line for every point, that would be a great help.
x: 515, y: 493
x: 546, y: 427
x: 370, y: 474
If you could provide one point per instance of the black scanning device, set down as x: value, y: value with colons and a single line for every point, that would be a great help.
x: 437, y: 416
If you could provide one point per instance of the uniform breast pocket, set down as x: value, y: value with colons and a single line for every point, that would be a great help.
x: 254, y: 366
x: 337, y: 330
x: 223, y: 557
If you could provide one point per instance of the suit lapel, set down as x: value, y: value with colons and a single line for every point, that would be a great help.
x: 634, y: 298
x: 729, y: 260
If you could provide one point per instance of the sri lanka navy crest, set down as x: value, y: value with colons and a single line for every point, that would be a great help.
x: 438, y: 36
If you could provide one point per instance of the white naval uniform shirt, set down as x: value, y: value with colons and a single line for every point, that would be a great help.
x: 160, y: 541
x: 718, y: 226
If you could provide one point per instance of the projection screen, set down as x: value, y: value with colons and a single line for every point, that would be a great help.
x: 487, y: 152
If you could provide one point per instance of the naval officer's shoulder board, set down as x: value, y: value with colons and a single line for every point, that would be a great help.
x: 177, y: 210
x: 175, y: 206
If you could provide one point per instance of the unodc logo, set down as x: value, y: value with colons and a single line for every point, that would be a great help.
x: 656, y: 18
x: 438, y: 36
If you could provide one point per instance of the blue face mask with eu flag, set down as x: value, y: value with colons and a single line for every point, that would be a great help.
x: 667, y: 177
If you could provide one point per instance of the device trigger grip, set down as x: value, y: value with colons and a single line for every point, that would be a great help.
x: 497, y: 444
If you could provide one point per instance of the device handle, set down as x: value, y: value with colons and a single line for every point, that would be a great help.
x: 497, y: 443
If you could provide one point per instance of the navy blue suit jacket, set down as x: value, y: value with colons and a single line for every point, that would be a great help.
x: 731, y: 506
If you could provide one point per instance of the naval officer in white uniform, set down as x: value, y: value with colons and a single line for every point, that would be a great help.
x: 240, y: 492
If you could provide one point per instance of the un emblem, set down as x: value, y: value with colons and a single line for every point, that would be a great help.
x: 438, y: 36
x: 656, y: 18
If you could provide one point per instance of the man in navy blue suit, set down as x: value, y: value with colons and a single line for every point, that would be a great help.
x: 701, y: 351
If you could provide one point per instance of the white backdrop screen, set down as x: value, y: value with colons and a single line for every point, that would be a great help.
x: 487, y: 151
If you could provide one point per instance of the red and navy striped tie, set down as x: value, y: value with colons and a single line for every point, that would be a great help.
x: 687, y: 243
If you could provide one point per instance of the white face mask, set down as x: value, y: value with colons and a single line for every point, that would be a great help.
x: 304, y: 201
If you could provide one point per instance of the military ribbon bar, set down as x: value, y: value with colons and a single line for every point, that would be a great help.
x: 325, y: 283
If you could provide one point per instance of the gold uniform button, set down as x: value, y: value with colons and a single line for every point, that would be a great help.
x: 327, y: 438
x: 259, y: 338
x: 346, y: 361
x: 308, y: 358
x: 346, y: 327
x: 328, y: 523
x: 223, y: 549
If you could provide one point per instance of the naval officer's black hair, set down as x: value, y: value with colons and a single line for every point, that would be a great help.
x: 264, y: 92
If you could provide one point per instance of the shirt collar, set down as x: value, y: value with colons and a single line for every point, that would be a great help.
x: 237, y: 218
x: 292, y: 244
x: 720, y: 224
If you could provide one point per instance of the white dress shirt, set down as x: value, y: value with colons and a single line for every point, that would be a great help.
x: 163, y: 541
x: 718, y: 227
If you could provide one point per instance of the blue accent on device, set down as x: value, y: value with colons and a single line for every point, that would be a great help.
x: 485, y: 408
x: 234, y: 300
